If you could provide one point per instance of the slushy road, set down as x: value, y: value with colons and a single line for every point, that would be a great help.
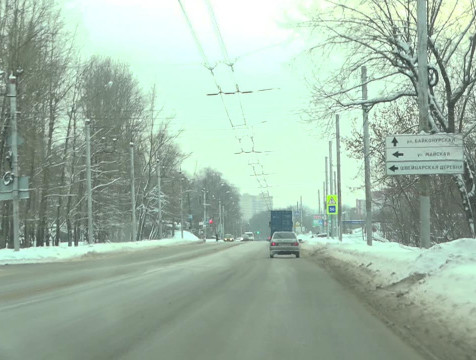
x: 200, y: 301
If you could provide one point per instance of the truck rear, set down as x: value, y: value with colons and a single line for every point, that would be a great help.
x: 281, y: 220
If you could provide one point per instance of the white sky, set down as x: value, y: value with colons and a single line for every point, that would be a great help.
x: 153, y: 37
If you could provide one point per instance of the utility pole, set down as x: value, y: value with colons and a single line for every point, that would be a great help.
x: 160, y: 198
x: 325, y: 198
x: 133, y: 195
x: 223, y: 219
x: 368, y: 194
x: 319, y: 200
x: 423, y: 107
x: 88, y: 183
x: 301, y: 212
x: 204, y: 214
x: 12, y: 94
x: 339, y: 179
x: 335, y: 190
x: 220, y: 220
x: 331, y: 186
x: 181, y: 206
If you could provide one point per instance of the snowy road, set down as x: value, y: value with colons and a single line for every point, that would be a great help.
x: 210, y: 301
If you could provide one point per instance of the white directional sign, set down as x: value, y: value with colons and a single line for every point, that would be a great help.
x: 424, y: 167
x: 423, y: 141
x: 424, y: 154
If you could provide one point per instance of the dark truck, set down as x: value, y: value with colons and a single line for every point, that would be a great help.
x: 281, y: 220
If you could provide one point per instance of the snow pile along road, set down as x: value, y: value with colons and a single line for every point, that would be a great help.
x: 63, y: 252
x: 439, y: 283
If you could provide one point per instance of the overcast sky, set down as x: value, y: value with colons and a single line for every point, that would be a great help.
x: 153, y: 37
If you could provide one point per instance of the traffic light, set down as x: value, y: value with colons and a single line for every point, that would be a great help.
x: 257, y: 233
x: 210, y: 221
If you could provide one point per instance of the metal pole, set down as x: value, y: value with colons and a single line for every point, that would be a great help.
x: 133, y: 195
x: 15, y: 169
x: 368, y: 194
x: 89, y: 183
x: 160, y: 198
x: 424, y: 183
x: 325, y: 197
x: 331, y: 187
x: 339, y: 179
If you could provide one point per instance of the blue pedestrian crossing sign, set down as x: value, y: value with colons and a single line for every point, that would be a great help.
x: 332, y: 207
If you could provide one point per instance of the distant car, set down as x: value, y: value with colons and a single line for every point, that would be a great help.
x: 228, y: 237
x: 284, y: 243
x: 248, y: 236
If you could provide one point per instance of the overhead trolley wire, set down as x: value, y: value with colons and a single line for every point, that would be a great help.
x: 225, y: 54
x: 204, y: 56
x: 220, y: 92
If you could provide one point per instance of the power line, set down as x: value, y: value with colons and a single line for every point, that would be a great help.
x: 225, y: 54
x: 220, y: 92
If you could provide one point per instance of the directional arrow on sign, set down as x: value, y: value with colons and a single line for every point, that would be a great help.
x: 397, y: 154
x: 394, y: 141
x: 393, y: 168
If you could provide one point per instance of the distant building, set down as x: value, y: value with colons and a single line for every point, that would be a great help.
x: 254, y: 204
x: 378, y: 202
x: 360, y: 206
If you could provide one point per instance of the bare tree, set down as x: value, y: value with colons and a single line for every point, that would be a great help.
x: 159, y: 146
x: 381, y: 34
x: 34, y: 49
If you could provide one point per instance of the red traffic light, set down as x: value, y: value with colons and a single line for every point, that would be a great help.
x: 210, y: 221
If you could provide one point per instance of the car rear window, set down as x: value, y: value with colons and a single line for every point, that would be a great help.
x: 284, y: 235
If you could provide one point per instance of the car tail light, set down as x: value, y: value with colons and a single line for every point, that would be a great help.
x: 273, y: 244
x: 296, y: 244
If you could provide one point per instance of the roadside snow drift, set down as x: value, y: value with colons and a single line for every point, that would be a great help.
x: 63, y: 252
x: 441, y: 278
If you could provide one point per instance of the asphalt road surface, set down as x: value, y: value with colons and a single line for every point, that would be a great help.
x: 203, y: 301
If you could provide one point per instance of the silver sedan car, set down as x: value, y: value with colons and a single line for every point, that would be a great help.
x: 284, y: 243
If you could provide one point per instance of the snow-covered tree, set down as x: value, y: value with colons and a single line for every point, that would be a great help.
x: 381, y: 34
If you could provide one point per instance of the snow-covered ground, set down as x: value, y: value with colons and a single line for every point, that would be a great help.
x: 441, y: 278
x: 63, y: 252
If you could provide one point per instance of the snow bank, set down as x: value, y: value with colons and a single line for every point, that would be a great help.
x: 63, y: 252
x: 442, y: 277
